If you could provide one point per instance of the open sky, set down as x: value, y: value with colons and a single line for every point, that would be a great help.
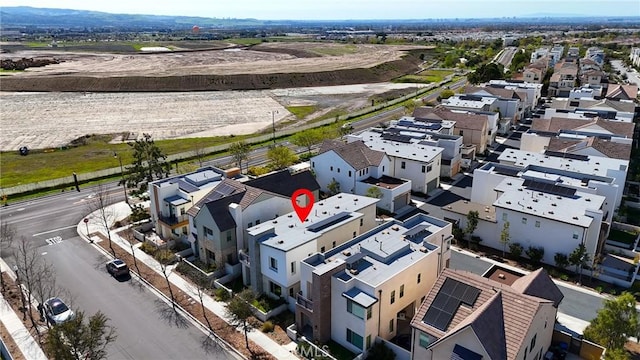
x: 347, y: 9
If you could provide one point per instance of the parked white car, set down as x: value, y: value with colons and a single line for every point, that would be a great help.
x: 57, y: 312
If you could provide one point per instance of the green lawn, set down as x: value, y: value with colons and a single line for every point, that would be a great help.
x: 244, y: 41
x: 97, y: 154
x: 335, y: 50
x: 302, y: 111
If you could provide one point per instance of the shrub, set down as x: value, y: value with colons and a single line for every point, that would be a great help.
x: 535, y: 254
x: 267, y: 327
x: 165, y: 256
x: 515, y: 249
x: 149, y: 248
x: 564, y: 277
x: 599, y: 289
x: 257, y: 170
x: 222, y: 294
x: 138, y: 213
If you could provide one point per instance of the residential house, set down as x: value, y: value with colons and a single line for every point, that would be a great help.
x: 410, y: 130
x: 589, y: 92
x: 467, y: 316
x: 275, y: 248
x: 592, y: 77
x: 634, y: 56
x: 622, y: 92
x: 573, y: 52
x: 173, y: 196
x: 604, y: 108
x: 356, y: 168
x: 218, y: 220
x: 564, y: 78
x: 539, y: 53
x: 595, y: 54
x: 509, y: 103
x: 371, y: 286
x: 533, y: 91
x: 588, y: 65
x: 476, y: 129
x: 533, y: 75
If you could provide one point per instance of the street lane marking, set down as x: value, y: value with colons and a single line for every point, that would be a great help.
x: 54, y: 240
x: 54, y: 230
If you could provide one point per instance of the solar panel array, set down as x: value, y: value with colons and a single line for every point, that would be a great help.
x: 446, y: 303
x: 185, y: 186
x: 566, y: 155
x: 396, y: 138
x: 549, y: 188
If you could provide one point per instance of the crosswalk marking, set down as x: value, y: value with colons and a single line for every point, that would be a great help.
x: 54, y: 240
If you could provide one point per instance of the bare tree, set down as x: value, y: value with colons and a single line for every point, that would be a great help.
x: 163, y: 268
x: 133, y: 252
x: 99, y: 207
x: 201, y: 285
x: 199, y: 152
x: 7, y: 236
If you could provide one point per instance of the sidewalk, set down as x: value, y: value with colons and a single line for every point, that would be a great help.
x: 121, y: 210
x: 27, y: 344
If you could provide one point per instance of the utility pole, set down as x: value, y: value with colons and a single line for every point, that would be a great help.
x: 273, y: 125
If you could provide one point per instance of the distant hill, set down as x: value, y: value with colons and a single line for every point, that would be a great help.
x: 45, y: 17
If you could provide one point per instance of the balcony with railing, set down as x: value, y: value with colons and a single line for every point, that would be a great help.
x: 304, y: 302
x: 244, y: 258
x: 173, y: 220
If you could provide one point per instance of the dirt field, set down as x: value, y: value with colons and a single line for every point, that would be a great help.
x: 53, y: 119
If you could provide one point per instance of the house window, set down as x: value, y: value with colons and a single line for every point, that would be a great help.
x: 208, y: 231
x: 293, y: 267
x: 576, y: 236
x: 504, y: 216
x: 393, y: 296
x: 401, y: 290
x: 537, y: 223
x: 313, y: 164
x: 424, y: 340
x: 229, y: 258
x: 524, y: 220
x: 354, y: 234
x: 182, y: 211
x: 429, y: 167
x: 354, y: 339
x: 250, y: 224
x: 273, y: 264
x: 391, y: 325
x: 403, y: 165
x: 461, y: 133
x: 382, y: 168
x: 369, y: 313
x: 291, y: 292
x: 322, y: 249
x: 424, y: 168
x: 258, y: 222
x: 338, y: 170
x: 275, y: 288
x: 419, y: 278
x: 331, y: 168
x: 333, y: 244
x: 368, y: 341
x: 361, y: 222
x: 349, y: 173
x: 355, y: 309
x: 229, y: 236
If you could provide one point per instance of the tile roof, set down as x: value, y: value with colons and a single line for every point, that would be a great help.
x: 556, y: 124
x: 356, y: 153
x: 463, y: 120
x: 622, y: 92
x: 518, y: 312
x: 608, y: 148
x: 589, y: 104
x: 499, y: 92
x: 539, y: 284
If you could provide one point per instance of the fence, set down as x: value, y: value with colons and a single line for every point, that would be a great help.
x: 84, y: 177
x: 584, y: 348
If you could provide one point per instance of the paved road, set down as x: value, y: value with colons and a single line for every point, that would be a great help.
x: 576, y: 303
x: 147, y: 328
x: 506, y: 56
x: 632, y: 76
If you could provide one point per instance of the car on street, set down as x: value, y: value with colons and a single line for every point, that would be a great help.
x: 117, y: 268
x: 57, y: 312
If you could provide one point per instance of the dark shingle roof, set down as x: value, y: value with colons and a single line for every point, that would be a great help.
x: 463, y: 120
x: 284, y: 183
x: 356, y: 153
x: 219, y: 210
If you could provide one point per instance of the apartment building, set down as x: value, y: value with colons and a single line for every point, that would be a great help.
x: 275, y: 248
x: 371, y: 286
x: 467, y: 316
x: 356, y: 167
x: 634, y: 56
x: 173, y: 196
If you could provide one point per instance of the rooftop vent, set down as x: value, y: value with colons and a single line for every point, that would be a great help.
x: 324, y: 213
x: 339, y: 196
x: 275, y: 221
x: 508, y: 202
x: 337, y: 206
x: 290, y: 225
x: 289, y: 215
x: 550, y: 212
x: 395, y: 228
x: 509, y: 183
x: 423, y: 249
x: 280, y: 241
x: 554, y: 204
x: 501, y: 276
x: 346, y: 253
x: 520, y: 190
x: 353, y: 271
x: 529, y: 207
x: 535, y: 200
x: 575, y: 218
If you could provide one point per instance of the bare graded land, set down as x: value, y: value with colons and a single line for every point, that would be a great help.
x: 263, y: 66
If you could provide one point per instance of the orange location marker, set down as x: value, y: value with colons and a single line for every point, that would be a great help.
x: 302, y: 211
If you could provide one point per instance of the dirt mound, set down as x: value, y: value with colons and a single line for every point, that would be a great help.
x: 379, y: 73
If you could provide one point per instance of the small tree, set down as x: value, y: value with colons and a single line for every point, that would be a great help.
x: 515, y: 249
x: 280, y: 157
x: 333, y: 187
x: 239, y: 310
x: 445, y: 94
x: 240, y: 152
x: 535, y: 254
x: 615, y: 323
x: 149, y: 163
x: 308, y: 138
x: 102, y: 212
x: 472, y: 224
x: 579, y: 258
x: 374, y: 192
x: 504, y: 237
x: 79, y: 339
x: 561, y: 260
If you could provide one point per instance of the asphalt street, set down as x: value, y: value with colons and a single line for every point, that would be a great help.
x: 147, y: 328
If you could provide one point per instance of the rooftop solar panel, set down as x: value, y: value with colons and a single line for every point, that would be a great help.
x: 566, y: 155
x: 470, y: 295
x: 549, y: 188
x: 185, y: 186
